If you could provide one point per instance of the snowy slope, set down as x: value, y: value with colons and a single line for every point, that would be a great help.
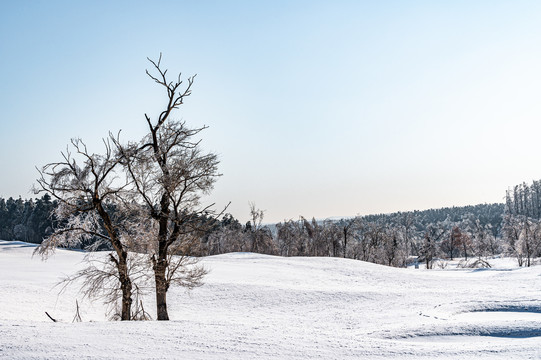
x: 264, y: 307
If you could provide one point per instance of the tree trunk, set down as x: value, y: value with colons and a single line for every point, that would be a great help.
x: 161, y: 290
x: 121, y: 263
x: 126, y: 298
x: 160, y: 264
x: 125, y: 286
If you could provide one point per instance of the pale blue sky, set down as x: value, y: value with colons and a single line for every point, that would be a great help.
x: 315, y: 108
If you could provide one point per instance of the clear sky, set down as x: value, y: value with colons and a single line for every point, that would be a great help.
x: 316, y: 108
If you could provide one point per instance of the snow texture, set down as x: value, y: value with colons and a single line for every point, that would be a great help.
x: 264, y: 307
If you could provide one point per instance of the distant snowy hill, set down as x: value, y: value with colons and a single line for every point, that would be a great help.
x: 264, y: 307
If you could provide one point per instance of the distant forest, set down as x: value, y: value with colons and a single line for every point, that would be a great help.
x: 512, y: 228
x: 26, y: 220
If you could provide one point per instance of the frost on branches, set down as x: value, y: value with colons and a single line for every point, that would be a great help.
x: 141, y: 200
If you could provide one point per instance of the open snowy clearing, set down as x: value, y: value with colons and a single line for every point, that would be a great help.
x: 263, y: 307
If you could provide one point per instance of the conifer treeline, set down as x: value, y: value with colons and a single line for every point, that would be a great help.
x: 524, y: 200
x: 522, y: 222
x: 26, y: 220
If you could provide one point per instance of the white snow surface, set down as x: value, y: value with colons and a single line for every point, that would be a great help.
x: 265, y: 307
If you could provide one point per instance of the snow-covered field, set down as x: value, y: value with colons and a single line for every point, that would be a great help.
x: 264, y: 307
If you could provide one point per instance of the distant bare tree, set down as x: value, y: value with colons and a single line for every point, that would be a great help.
x: 375, y: 235
x: 331, y: 235
x: 348, y: 227
x: 480, y: 239
x: 228, y: 238
x: 261, y: 236
x: 523, y: 235
x: 512, y: 230
x: 290, y: 237
x: 453, y: 242
x: 317, y: 238
x: 391, y: 247
x: 432, y: 235
x: 407, y: 222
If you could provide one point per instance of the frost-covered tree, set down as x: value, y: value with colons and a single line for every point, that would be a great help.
x: 523, y: 235
x: 168, y: 174
x: 452, y: 243
x: 141, y: 199
x: 347, y: 227
x: 407, y: 222
x: 512, y: 231
x: 521, y: 225
x: 86, y: 187
x: 261, y: 239
x: 433, y: 234
x: 227, y: 238
x: 290, y: 238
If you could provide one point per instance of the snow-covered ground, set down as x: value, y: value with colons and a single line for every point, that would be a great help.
x: 264, y: 307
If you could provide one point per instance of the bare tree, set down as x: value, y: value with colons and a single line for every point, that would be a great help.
x: 479, y: 239
x: 261, y: 236
x: 141, y: 197
x: 428, y: 249
x: 333, y: 235
x: 86, y: 187
x: 391, y: 247
x: 317, y: 238
x: 524, y: 237
x: 289, y: 237
x: 407, y: 221
x: 169, y: 174
x: 453, y: 242
x: 347, y: 226
x: 229, y: 238
x: 512, y: 230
